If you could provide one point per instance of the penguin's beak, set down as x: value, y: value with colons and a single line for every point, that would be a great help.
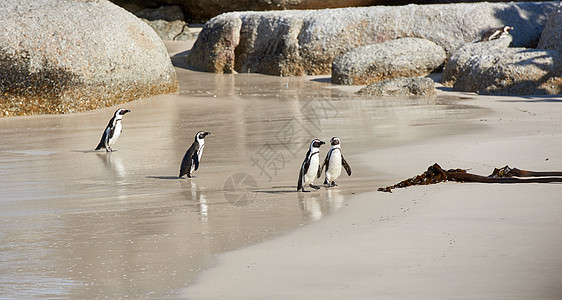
x: 322, y: 143
x: 207, y: 133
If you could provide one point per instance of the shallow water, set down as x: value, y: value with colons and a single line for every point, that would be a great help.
x: 80, y: 223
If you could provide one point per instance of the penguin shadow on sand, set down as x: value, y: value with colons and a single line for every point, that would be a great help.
x: 86, y: 151
x: 284, y: 189
x: 164, y: 177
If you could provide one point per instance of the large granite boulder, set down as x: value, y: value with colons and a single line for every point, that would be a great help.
x: 406, y: 57
x: 306, y: 42
x: 203, y: 10
x: 60, y: 56
x: 401, y: 86
x: 460, y: 62
x: 551, y: 38
x: 511, y: 71
x: 198, y: 11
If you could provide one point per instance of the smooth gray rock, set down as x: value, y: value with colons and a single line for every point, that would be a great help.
x: 512, y: 71
x: 406, y: 57
x: 401, y: 86
x: 60, y: 56
x: 306, y: 42
x: 461, y: 61
x: 551, y: 38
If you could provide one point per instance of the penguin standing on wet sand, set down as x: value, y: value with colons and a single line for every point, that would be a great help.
x: 192, y: 157
x: 112, y: 131
x: 310, y: 166
x: 334, y: 161
x: 495, y: 33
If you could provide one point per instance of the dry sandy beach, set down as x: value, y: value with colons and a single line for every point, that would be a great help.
x: 82, y: 224
x: 444, y: 241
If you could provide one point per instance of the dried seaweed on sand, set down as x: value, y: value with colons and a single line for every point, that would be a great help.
x: 436, y: 174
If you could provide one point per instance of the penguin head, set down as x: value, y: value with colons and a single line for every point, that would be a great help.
x: 120, y: 112
x: 316, y: 143
x: 334, y: 141
x: 201, y: 135
x: 506, y: 29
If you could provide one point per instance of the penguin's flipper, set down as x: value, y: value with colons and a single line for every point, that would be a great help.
x: 187, y: 160
x: 301, y: 175
x: 104, y: 140
x: 110, y: 132
x: 346, y: 166
x: 195, y: 158
x: 185, y: 164
x: 100, y: 145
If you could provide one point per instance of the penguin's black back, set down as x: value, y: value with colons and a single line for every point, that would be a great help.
x: 304, y: 168
x: 187, y: 160
x: 109, y: 130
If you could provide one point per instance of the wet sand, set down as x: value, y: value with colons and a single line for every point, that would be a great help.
x: 444, y: 241
x: 84, y: 224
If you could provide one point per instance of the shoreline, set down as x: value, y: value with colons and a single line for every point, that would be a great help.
x: 122, y: 224
x: 443, y: 241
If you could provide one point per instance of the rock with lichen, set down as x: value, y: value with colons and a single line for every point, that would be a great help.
x: 61, y: 56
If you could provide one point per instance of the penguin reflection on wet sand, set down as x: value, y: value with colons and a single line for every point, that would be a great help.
x: 309, y: 166
x: 112, y: 131
x: 333, y: 162
x: 495, y: 33
x: 192, y: 157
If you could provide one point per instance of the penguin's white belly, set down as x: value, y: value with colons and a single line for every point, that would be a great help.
x: 312, y: 170
x: 334, y: 166
x: 116, y: 134
x: 199, y: 154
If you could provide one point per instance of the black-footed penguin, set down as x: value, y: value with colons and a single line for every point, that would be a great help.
x: 192, y: 157
x: 310, y: 166
x: 495, y: 33
x: 334, y: 161
x: 112, y: 131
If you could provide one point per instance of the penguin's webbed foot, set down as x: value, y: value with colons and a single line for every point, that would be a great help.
x: 333, y: 184
x: 314, y: 186
x: 190, y: 176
